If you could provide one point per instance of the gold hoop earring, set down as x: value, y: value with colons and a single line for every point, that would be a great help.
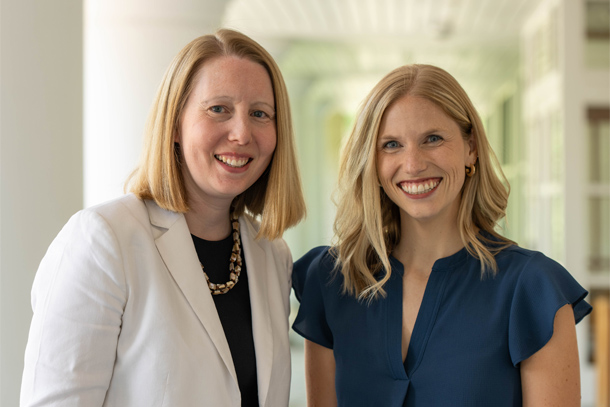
x: 470, y: 171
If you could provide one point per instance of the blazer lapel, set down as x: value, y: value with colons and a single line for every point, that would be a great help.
x: 176, y: 248
x: 258, y: 269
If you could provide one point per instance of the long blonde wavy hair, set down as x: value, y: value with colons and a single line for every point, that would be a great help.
x: 276, y: 196
x: 367, y: 224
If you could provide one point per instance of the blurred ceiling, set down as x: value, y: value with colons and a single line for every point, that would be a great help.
x: 415, y: 21
x: 476, y: 40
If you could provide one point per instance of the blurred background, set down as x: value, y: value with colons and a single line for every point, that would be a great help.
x: 77, y: 80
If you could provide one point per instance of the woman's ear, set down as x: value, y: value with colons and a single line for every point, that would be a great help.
x: 472, y: 150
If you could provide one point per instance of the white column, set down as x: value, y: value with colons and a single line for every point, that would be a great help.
x: 40, y: 156
x: 128, y: 46
x: 572, y: 59
x: 575, y: 131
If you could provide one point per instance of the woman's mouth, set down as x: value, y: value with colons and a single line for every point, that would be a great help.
x: 418, y: 188
x: 235, y: 162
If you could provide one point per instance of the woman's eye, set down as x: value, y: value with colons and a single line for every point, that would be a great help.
x: 217, y: 109
x: 261, y: 114
x: 434, y: 138
x: 391, y: 144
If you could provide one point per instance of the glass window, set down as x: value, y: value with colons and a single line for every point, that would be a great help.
x: 599, y: 145
x: 597, y: 46
x: 599, y: 189
x: 599, y: 237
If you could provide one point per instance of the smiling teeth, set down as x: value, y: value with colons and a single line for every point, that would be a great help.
x: 413, y: 189
x: 233, y: 162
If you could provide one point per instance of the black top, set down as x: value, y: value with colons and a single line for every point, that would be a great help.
x: 234, y: 311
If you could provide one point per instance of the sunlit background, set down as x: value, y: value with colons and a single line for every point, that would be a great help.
x: 77, y: 80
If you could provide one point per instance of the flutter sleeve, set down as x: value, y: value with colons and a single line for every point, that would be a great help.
x: 543, y: 287
x: 310, y: 282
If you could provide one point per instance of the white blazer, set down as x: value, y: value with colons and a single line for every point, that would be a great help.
x: 123, y: 315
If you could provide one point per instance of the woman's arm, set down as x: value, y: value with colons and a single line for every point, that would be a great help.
x: 551, y: 376
x: 78, y: 298
x: 320, y: 375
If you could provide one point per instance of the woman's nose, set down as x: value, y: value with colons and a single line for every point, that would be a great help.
x: 414, y: 160
x: 240, y: 130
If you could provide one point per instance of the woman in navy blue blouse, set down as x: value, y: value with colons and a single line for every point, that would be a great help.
x: 420, y: 302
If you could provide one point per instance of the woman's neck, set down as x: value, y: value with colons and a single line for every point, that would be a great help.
x: 209, y: 222
x: 422, y: 243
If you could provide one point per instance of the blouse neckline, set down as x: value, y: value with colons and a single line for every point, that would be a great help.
x: 426, y: 316
x: 444, y: 264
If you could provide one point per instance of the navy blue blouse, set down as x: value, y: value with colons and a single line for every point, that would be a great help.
x: 469, y: 336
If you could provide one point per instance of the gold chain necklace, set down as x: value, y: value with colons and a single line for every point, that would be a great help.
x: 234, y: 265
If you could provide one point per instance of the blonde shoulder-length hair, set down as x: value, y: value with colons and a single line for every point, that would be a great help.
x: 276, y: 196
x: 367, y: 225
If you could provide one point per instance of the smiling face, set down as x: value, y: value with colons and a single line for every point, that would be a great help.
x: 421, y: 160
x: 227, y: 131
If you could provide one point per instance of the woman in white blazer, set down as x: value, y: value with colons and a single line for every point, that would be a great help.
x: 177, y: 294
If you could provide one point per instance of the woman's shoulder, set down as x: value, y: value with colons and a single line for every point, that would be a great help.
x: 319, y: 258
x: 121, y: 206
x: 513, y: 258
x: 540, y: 277
x: 99, y: 232
x: 517, y: 258
x: 249, y: 228
x: 125, y: 215
x: 318, y: 264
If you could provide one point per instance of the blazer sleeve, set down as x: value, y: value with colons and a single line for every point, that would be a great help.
x: 78, y: 298
x: 288, y: 267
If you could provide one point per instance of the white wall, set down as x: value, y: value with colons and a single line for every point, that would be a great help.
x: 40, y: 156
